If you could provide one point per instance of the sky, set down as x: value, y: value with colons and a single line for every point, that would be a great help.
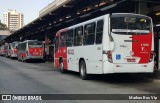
x: 30, y: 8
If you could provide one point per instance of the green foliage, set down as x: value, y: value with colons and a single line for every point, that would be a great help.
x: 3, y: 26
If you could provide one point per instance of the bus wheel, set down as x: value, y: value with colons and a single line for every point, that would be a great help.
x: 61, y: 67
x: 82, y: 70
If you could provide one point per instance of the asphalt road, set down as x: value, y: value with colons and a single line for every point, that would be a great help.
x: 41, y: 78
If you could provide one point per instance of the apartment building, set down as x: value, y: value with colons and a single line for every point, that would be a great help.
x: 13, y: 20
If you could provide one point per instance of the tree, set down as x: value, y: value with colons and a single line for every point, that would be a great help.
x: 3, y: 26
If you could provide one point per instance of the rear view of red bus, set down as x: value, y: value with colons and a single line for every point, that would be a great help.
x: 30, y: 49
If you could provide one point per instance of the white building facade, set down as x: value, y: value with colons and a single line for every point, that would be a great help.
x: 13, y: 20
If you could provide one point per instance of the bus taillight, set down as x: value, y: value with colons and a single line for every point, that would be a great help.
x: 15, y: 50
x: 109, y: 55
x: 152, y: 54
x: 3, y: 51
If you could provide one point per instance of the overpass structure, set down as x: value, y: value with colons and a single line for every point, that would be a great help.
x: 4, y: 34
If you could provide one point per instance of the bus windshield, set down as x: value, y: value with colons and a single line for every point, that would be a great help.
x: 130, y: 24
x: 2, y: 47
x: 35, y: 44
x: 14, y: 45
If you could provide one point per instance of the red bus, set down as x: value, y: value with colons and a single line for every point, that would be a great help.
x: 30, y: 49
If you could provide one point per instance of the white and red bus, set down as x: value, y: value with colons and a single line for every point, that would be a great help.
x: 2, y: 51
x: 30, y: 49
x: 112, y: 43
x: 13, y: 50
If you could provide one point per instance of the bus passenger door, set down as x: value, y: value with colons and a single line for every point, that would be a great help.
x: 70, y: 56
x: 56, y: 60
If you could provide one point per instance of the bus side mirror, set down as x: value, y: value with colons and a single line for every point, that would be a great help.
x: 112, y: 45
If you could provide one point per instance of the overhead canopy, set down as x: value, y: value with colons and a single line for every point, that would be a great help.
x: 70, y: 13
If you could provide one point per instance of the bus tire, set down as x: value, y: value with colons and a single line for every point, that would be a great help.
x: 83, y: 71
x: 61, y: 66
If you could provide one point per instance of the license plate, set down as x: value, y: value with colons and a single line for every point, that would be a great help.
x: 35, y: 53
x: 131, y: 60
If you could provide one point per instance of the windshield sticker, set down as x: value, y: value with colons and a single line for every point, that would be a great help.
x: 127, y: 30
x: 118, y: 57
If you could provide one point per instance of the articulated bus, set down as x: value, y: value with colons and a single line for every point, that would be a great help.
x: 2, y: 51
x: 13, y: 50
x: 30, y: 49
x: 112, y: 43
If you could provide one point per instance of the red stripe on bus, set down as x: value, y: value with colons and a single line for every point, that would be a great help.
x: 141, y: 46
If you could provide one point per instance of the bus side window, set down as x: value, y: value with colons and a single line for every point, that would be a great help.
x: 21, y: 47
x: 18, y: 47
x: 63, y: 39
x: 69, y: 38
x: 78, y: 36
x: 9, y: 46
x: 24, y: 46
x: 89, y: 34
x: 99, y: 31
x: 56, y: 43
